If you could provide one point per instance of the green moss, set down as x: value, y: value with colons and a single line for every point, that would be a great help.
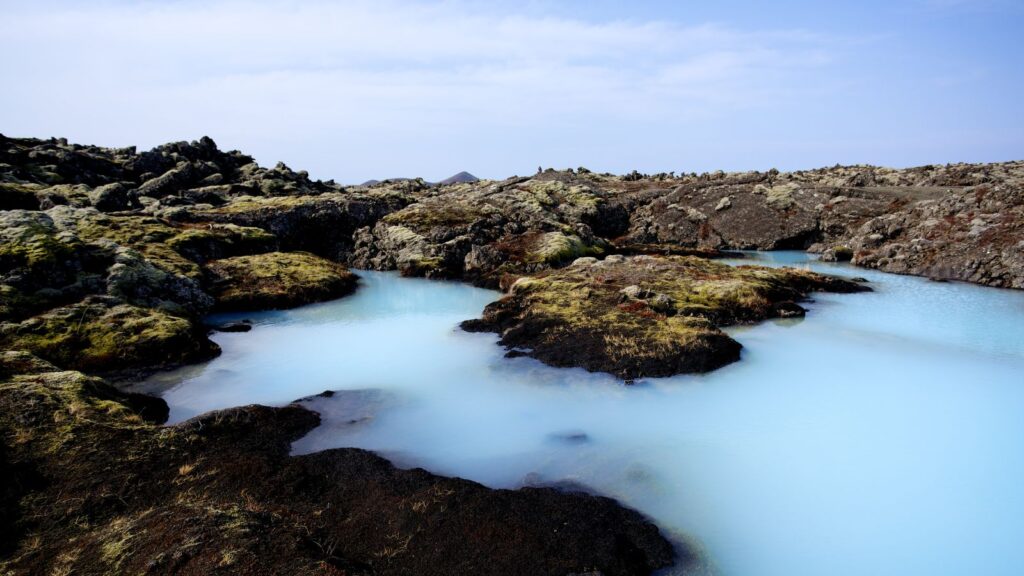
x: 116, y: 543
x: 152, y: 237
x: 423, y: 217
x: 95, y: 336
x: 210, y: 241
x: 556, y: 248
x: 422, y: 267
x: 60, y: 408
x: 44, y: 173
x: 245, y: 204
x: 277, y: 280
x: 644, y: 315
x: 32, y: 241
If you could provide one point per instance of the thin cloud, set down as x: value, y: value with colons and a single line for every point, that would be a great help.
x: 360, y: 89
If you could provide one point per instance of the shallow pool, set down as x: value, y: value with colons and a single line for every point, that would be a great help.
x: 881, y: 435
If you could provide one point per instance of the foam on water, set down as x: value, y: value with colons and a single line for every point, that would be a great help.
x: 879, y: 435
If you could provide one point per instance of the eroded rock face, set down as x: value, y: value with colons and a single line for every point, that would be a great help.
x: 482, y: 231
x: 644, y: 316
x: 277, y: 280
x: 221, y: 493
x: 976, y: 235
x: 322, y: 224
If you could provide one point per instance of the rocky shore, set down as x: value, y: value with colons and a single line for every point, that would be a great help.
x: 92, y: 487
x: 109, y: 261
x: 111, y: 258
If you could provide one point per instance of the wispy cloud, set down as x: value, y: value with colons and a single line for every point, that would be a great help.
x: 356, y: 89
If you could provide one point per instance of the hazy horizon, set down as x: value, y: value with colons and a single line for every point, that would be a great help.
x: 356, y: 90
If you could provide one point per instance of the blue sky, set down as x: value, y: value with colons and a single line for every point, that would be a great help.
x: 353, y: 90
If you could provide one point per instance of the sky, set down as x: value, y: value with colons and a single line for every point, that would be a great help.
x: 353, y: 90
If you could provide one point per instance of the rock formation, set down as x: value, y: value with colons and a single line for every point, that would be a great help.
x: 645, y: 315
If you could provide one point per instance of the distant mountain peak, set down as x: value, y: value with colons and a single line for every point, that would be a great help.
x: 460, y: 178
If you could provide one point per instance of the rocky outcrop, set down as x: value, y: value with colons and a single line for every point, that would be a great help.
x: 644, y: 316
x: 974, y: 235
x: 323, y: 224
x: 277, y: 280
x: 483, y: 231
x: 109, y: 259
x: 108, y: 256
x: 101, y: 334
x: 221, y: 493
x: 486, y: 231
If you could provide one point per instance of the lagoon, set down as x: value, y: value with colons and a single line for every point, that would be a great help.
x: 879, y: 435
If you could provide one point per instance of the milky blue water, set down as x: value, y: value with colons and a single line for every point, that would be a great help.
x: 881, y: 435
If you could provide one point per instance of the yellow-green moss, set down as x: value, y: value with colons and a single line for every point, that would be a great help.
x: 33, y: 242
x: 556, y: 248
x: 70, y: 405
x: 94, y: 336
x: 277, y: 280
x: 644, y: 315
x: 553, y: 192
x: 423, y: 217
x: 152, y: 237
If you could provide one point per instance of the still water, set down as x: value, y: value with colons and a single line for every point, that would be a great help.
x: 881, y: 435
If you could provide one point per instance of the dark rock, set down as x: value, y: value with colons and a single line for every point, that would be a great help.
x: 220, y: 492
x: 18, y: 197
x: 113, y: 198
x: 240, y: 326
x: 788, y: 309
x: 571, y: 437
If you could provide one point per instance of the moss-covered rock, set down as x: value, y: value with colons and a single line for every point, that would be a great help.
x: 643, y: 315
x: 113, y: 197
x: 42, y: 266
x: 210, y: 241
x: 151, y: 237
x: 323, y: 224
x: 91, y: 487
x: 18, y: 197
x: 484, y: 230
x: 555, y: 248
x: 100, y: 334
x: 277, y: 280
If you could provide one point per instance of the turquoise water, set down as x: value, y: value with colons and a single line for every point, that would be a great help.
x: 880, y: 435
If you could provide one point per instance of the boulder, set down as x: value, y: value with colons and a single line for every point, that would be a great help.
x: 277, y: 280
x: 114, y: 197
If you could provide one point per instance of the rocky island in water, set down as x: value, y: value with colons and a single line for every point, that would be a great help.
x: 113, y: 260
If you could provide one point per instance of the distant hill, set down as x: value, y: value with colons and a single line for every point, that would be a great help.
x: 375, y: 182
x: 460, y: 178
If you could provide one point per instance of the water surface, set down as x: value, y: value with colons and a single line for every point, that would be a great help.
x: 880, y: 435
